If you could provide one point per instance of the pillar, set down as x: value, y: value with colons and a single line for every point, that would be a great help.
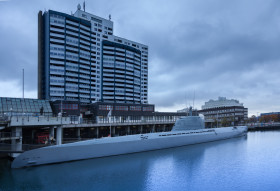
x: 163, y: 128
x: 58, y: 135
x: 79, y: 133
x: 128, y: 130
x: 16, y: 143
x: 154, y: 128
x: 97, y: 132
x: 33, y: 135
x: 51, y: 133
x: 113, y: 131
x: 141, y: 129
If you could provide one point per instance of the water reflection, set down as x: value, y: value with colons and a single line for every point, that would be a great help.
x: 142, y: 170
x: 221, y: 165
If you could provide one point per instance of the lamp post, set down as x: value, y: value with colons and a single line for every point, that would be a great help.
x: 217, y: 120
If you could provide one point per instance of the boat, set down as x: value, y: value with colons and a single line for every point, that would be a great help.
x: 186, y: 131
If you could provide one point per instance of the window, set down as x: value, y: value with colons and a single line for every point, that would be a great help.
x: 121, y: 108
x: 69, y: 107
x: 105, y: 107
x: 135, y: 108
x: 150, y: 108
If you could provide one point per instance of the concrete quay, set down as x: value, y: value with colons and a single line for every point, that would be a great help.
x: 20, y: 131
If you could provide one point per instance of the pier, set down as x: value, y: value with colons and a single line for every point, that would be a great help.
x: 22, y: 133
x: 263, y: 126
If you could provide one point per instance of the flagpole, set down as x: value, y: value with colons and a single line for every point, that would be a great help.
x: 110, y: 126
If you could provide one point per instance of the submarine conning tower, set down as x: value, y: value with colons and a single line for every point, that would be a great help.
x: 189, y: 123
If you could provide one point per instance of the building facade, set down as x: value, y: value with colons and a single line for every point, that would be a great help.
x: 79, y: 59
x: 224, y: 112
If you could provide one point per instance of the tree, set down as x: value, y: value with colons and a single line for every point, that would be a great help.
x: 225, y: 122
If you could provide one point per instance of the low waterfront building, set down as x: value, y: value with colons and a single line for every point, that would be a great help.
x: 224, y: 112
x: 24, y: 106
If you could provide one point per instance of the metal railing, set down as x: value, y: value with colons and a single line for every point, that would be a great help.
x: 10, y: 134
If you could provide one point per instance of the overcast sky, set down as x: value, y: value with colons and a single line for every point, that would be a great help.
x: 213, y: 48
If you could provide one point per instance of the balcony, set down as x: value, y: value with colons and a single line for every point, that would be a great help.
x: 72, y: 23
x: 107, y: 88
x: 118, y: 80
x: 108, y: 79
x: 121, y: 85
x: 108, y: 93
x: 108, y: 70
x: 71, y: 48
x: 84, y: 91
x: 84, y: 86
x: 72, y: 95
x: 84, y: 32
x: 108, y: 75
x: 85, y: 77
x: 108, y: 97
x: 108, y: 84
x: 85, y: 28
x: 84, y: 61
x: 84, y: 96
x: 57, y: 35
x: 57, y: 41
x: 73, y: 28
x: 56, y: 62
x: 72, y: 74
x: 85, y: 71
x: 85, y: 81
x: 72, y: 90
x: 84, y: 42
x: 85, y: 67
x: 53, y: 29
x: 72, y: 79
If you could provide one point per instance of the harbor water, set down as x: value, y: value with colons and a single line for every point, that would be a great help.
x: 245, y: 163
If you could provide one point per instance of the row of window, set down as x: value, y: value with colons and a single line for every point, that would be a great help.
x: 57, y: 48
x: 125, y: 108
x: 69, y: 107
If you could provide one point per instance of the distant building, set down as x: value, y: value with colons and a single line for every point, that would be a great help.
x: 79, y: 59
x: 221, y: 102
x: 271, y: 113
x: 224, y: 111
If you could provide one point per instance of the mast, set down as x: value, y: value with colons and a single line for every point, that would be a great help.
x: 23, y: 83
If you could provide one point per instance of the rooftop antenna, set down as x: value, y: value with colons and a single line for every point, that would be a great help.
x: 84, y: 6
x: 109, y: 17
x: 193, y: 97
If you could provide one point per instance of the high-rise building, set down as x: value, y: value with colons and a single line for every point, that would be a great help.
x: 79, y: 59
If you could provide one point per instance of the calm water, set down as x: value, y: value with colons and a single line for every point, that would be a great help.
x: 247, y: 163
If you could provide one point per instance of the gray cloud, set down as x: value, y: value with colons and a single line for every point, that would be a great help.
x: 215, y: 48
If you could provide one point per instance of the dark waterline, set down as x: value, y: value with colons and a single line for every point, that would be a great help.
x: 246, y: 163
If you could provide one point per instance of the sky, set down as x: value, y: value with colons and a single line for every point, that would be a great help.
x: 198, y: 49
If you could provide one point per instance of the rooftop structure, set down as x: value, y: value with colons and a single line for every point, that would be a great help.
x: 221, y: 102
